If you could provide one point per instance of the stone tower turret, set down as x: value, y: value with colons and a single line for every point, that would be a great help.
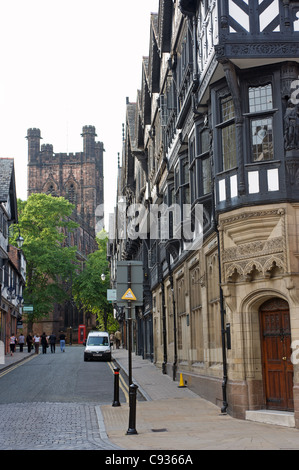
x: 89, y: 134
x: 33, y: 137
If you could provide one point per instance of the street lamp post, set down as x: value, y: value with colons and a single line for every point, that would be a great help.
x: 103, y: 277
x: 105, y: 320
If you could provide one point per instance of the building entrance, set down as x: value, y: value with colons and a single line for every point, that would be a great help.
x: 276, y: 355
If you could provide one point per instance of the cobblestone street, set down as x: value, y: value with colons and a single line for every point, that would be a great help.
x: 49, y: 426
x: 52, y: 402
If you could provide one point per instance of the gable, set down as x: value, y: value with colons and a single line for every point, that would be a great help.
x: 8, y: 188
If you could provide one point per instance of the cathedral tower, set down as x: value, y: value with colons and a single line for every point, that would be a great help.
x: 79, y: 178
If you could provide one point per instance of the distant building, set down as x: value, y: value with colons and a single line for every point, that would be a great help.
x: 79, y: 178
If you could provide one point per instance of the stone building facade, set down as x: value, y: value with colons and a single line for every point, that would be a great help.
x: 79, y: 178
x: 215, y: 125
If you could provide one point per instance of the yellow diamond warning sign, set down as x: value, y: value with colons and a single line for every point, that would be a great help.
x: 129, y: 295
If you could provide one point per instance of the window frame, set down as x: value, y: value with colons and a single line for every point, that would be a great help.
x: 226, y: 124
x: 197, y: 156
x: 180, y: 183
x: 203, y: 155
x: 222, y: 124
x: 259, y: 115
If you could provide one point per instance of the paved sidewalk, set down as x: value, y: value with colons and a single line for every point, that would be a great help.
x: 16, y: 358
x: 175, y: 418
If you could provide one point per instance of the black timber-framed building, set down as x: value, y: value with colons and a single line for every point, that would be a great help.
x: 216, y: 124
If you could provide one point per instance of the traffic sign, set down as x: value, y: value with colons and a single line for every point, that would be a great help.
x: 135, y: 282
x: 129, y: 295
x: 28, y: 308
x: 111, y: 294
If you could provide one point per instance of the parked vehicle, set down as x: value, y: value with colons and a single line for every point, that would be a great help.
x: 97, y: 346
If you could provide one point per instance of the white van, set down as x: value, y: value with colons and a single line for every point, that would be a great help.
x: 97, y: 346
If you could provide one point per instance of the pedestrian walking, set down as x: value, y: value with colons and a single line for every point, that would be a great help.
x: 29, y: 341
x: 36, y: 340
x: 12, y: 344
x: 62, y: 342
x: 118, y: 339
x: 44, y: 343
x: 21, y: 341
x: 112, y: 340
x: 52, y: 341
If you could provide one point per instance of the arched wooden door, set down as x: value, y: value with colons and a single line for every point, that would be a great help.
x: 276, y: 354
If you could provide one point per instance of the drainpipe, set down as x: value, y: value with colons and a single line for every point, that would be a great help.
x: 223, y: 333
x: 174, y: 365
x: 195, y: 66
x: 164, y: 329
x: 222, y: 309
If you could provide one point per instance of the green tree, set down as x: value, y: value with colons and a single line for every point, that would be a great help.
x: 90, y: 290
x: 44, y: 222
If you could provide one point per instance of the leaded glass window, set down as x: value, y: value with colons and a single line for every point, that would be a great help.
x: 262, y: 139
x: 206, y: 176
x: 228, y: 134
x: 260, y: 98
x: 261, y: 124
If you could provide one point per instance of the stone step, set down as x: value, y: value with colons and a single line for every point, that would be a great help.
x: 279, y: 418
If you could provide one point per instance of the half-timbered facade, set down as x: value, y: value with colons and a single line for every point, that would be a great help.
x: 12, y: 261
x: 217, y: 128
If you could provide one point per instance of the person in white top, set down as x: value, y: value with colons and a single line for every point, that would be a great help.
x: 12, y: 344
x: 36, y: 340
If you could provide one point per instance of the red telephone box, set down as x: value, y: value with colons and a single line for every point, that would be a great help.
x: 81, y: 334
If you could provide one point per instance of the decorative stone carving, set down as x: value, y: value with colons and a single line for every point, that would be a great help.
x: 262, y: 257
x: 248, y: 249
x: 255, y: 268
x: 291, y: 122
x: 292, y: 167
x: 293, y: 288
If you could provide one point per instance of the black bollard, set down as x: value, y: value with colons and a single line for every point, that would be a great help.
x: 116, y: 387
x: 132, y: 404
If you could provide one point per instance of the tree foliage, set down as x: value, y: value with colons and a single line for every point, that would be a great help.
x: 44, y: 222
x: 90, y: 290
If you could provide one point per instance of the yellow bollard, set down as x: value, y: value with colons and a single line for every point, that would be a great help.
x: 182, y: 385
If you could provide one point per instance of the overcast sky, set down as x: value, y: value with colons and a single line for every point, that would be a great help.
x: 66, y: 64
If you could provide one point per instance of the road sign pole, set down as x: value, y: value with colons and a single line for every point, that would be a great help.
x: 130, y: 328
x: 129, y: 276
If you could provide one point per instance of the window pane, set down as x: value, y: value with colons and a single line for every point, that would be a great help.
x: 185, y: 175
x: 186, y: 195
x: 206, y: 176
x: 205, y: 141
x: 229, y: 147
x: 261, y: 139
x: 227, y: 109
x: 172, y: 197
x: 191, y: 151
x: 192, y: 183
x: 260, y: 98
x: 177, y: 178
